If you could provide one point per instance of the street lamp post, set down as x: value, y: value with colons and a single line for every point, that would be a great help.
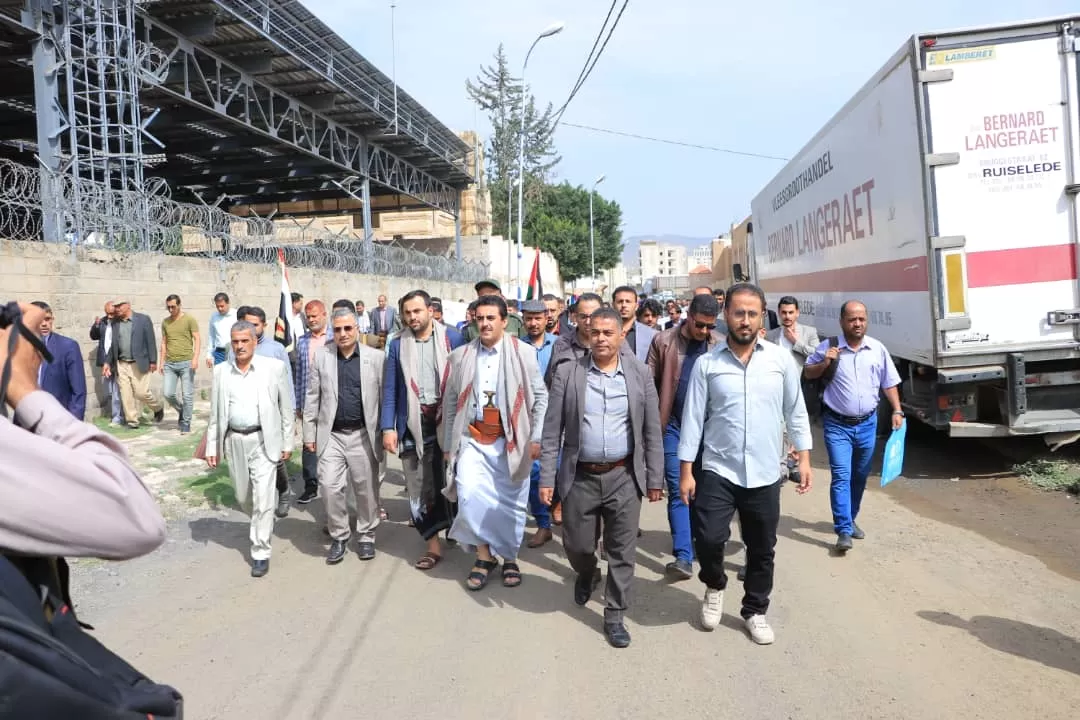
x: 592, y: 242
x: 553, y: 29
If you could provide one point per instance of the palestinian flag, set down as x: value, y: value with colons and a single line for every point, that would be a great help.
x: 282, y: 327
x: 536, y: 287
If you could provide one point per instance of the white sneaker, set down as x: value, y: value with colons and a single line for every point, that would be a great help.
x: 759, y: 630
x: 712, y: 607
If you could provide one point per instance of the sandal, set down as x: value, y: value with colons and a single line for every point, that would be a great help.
x: 481, y: 573
x: 511, y: 575
x: 427, y: 561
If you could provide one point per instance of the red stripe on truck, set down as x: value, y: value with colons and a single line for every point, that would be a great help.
x: 892, y: 276
x: 990, y: 268
x: 1021, y: 266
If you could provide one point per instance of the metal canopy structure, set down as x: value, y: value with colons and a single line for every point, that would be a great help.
x: 228, y: 102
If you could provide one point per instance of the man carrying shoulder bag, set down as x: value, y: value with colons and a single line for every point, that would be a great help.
x: 68, y: 489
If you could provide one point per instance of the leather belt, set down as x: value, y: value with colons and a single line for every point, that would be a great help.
x: 850, y: 419
x: 246, y: 431
x: 601, y: 468
x: 430, y: 412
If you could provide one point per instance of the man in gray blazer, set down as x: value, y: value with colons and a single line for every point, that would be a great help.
x: 603, y: 414
x: 638, y: 336
x: 801, y: 340
x: 132, y: 358
x: 251, y: 424
x: 341, y: 426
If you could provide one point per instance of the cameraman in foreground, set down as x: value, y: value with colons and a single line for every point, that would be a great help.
x: 68, y: 488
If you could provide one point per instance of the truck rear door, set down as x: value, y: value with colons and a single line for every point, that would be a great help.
x: 1002, y: 131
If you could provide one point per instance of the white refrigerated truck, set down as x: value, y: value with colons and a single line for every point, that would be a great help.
x: 943, y: 195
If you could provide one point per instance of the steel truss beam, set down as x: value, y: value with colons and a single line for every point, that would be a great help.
x: 194, y: 75
x: 270, y: 19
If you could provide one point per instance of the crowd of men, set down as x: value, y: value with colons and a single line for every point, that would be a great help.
x: 572, y: 413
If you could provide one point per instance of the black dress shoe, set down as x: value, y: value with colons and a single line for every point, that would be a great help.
x: 857, y: 533
x: 159, y: 415
x: 365, y: 550
x: 585, y: 586
x: 259, y: 568
x: 337, y: 552
x: 617, y: 635
x: 843, y: 543
x: 679, y: 570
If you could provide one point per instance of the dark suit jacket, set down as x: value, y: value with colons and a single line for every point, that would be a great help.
x: 144, y: 346
x: 65, y: 377
x: 97, y: 332
x: 562, y: 425
x: 376, y: 326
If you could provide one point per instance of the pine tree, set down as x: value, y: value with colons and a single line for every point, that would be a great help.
x: 499, y: 93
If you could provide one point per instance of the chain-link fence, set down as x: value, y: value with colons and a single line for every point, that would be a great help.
x: 92, y: 214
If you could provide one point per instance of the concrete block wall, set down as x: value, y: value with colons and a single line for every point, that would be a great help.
x: 76, y: 283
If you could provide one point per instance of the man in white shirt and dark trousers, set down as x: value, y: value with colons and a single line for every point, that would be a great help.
x: 741, y: 396
x: 251, y: 423
x: 220, y: 325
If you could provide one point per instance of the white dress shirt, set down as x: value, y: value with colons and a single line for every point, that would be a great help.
x: 363, y: 323
x: 220, y: 329
x: 243, y: 398
x: 487, y: 378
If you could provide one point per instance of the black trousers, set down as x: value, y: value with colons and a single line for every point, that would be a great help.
x: 310, y: 463
x: 714, y: 505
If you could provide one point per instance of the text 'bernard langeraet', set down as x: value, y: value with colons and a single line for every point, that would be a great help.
x: 833, y: 222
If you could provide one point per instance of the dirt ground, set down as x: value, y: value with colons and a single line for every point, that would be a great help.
x: 963, y: 602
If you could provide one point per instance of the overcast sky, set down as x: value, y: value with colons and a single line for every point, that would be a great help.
x: 758, y: 77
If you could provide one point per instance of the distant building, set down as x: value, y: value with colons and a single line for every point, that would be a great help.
x: 657, y: 259
x: 701, y: 255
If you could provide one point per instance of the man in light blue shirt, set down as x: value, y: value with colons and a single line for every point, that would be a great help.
x: 856, y: 370
x: 221, y: 322
x: 534, y: 321
x: 741, y: 397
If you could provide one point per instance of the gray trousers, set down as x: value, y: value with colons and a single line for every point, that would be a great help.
x: 252, y: 473
x: 614, y: 498
x: 348, y: 460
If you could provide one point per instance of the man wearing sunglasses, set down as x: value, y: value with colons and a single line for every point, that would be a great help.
x: 671, y: 358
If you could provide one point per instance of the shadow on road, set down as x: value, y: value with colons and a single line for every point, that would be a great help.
x: 790, y: 528
x: 1041, y: 644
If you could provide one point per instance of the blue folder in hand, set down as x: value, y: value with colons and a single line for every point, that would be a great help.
x: 893, y: 463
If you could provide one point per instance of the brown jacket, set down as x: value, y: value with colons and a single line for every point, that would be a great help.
x: 665, y: 359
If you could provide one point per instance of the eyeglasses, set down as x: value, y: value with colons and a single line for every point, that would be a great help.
x: 345, y: 328
x: 704, y: 326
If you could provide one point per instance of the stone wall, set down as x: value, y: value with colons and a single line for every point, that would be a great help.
x: 77, y: 283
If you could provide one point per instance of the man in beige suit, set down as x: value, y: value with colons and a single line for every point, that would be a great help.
x: 341, y: 426
x: 251, y: 422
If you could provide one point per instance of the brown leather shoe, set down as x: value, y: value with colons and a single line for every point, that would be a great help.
x: 556, y: 513
x: 542, y: 537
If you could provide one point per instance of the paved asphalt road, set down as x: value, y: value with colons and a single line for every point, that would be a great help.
x: 922, y: 620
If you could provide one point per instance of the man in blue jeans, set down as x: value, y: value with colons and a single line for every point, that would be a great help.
x: 856, y: 370
x: 671, y: 358
x: 179, y: 359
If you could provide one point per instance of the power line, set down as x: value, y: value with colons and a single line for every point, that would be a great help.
x: 587, y: 70
x: 596, y: 42
x: 677, y: 142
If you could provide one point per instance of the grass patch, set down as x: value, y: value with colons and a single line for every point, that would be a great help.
x: 216, y: 486
x: 1047, y: 474
x: 120, y: 433
x: 184, y: 449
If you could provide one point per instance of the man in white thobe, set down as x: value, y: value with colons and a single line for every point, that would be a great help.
x: 493, y: 416
x: 251, y: 422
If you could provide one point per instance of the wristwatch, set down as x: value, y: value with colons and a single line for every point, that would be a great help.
x: 897, y: 412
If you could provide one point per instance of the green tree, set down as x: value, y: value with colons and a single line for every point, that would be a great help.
x: 499, y: 94
x: 558, y: 222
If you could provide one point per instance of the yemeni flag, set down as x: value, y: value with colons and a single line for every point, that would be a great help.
x: 536, y: 287
x: 282, y: 327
